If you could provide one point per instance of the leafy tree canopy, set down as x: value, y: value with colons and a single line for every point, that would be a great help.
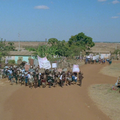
x: 52, y: 41
x: 81, y: 40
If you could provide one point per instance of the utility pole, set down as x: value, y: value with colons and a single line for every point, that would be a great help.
x: 19, y: 41
x: 46, y: 41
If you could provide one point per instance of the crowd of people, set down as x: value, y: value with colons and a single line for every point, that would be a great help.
x: 35, y: 77
x: 100, y: 61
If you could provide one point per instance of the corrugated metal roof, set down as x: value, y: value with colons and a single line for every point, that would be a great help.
x: 93, y: 51
x: 21, y: 53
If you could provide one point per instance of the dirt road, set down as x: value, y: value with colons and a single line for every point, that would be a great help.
x: 67, y: 103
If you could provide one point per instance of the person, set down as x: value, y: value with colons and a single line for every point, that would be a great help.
x: 43, y: 81
x: 22, y: 78
x: 26, y: 79
x: 75, y: 79
x: 49, y: 80
x: 64, y: 78
x: 118, y: 81
x: 61, y: 80
x: 80, y: 78
x: 11, y: 79
x: 110, y: 62
x: 35, y: 81
x: 69, y: 79
x: 16, y: 76
x: 39, y: 79
x: 31, y: 80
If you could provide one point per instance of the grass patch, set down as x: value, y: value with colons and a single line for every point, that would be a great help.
x: 111, y: 70
x: 106, y: 99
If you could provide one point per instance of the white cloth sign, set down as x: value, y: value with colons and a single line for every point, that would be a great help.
x: 44, y: 63
x: 76, y: 68
x: 97, y: 56
x: 54, y: 65
x: 102, y: 56
x: 94, y: 57
x: 88, y: 57
x: 27, y: 67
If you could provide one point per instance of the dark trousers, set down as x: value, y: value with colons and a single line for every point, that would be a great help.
x: 39, y: 83
x: 61, y: 83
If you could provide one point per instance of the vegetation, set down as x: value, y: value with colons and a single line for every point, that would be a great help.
x: 5, y: 48
x: 11, y: 62
x: 20, y: 58
x: 117, y: 51
x: 55, y: 47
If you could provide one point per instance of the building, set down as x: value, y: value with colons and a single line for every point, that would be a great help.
x: 16, y: 55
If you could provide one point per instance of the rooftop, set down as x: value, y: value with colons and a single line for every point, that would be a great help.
x: 21, y: 53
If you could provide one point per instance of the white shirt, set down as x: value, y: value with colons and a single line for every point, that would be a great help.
x: 75, y: 78
x: 28, y: 75
x: 61, y: 77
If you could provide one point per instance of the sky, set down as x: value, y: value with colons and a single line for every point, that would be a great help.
x: 37, y: 20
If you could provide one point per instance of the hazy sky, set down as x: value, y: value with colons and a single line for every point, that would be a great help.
x: 40, y: 19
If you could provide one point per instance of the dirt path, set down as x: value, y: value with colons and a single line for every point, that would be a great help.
x: 67, y: 103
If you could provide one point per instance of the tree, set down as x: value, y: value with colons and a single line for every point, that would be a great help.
x: 41, y: 51
x: 11, y: 46
x: 81, y: 40
x: 3, y: 48
x: 52, y: 41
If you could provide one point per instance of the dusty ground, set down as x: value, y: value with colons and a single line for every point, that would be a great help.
x: 106, y: 99
x: 67, y: 103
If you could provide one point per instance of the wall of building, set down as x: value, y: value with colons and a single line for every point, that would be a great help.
x: 25, y: 58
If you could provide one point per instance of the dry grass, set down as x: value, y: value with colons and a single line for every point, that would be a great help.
x: 27, y: 44
x: 97, y: 47
x: 106, y: 99
x: 112, y: 70
x: 106, y: 46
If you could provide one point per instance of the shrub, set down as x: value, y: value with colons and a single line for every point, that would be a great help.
x: 20, y: 58
x: 11, y: 62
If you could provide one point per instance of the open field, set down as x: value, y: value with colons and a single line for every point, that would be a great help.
x: 106, y: 99
x: 67, y: 103
x: 112, y: 70
x: 97, y: 47
x: 106, y: 46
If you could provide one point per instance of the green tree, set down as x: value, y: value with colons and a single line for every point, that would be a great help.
x: 81, y: 40
x: 3, y: 48
x: 41, y: 51
x: 52, y: 41
x: 11, y: 46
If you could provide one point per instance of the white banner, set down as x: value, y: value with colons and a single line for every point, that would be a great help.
x: 88, y: 57
x: 102, y: 56
x: 27, y: 67
x: 6, y: 60
x: 94, y: 57
x: 97, y: 56
x: 54, y: 65
x: 44, y: 63
x: 76, y: 68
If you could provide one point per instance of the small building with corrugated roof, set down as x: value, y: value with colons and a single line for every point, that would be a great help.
x: 16, y: 55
